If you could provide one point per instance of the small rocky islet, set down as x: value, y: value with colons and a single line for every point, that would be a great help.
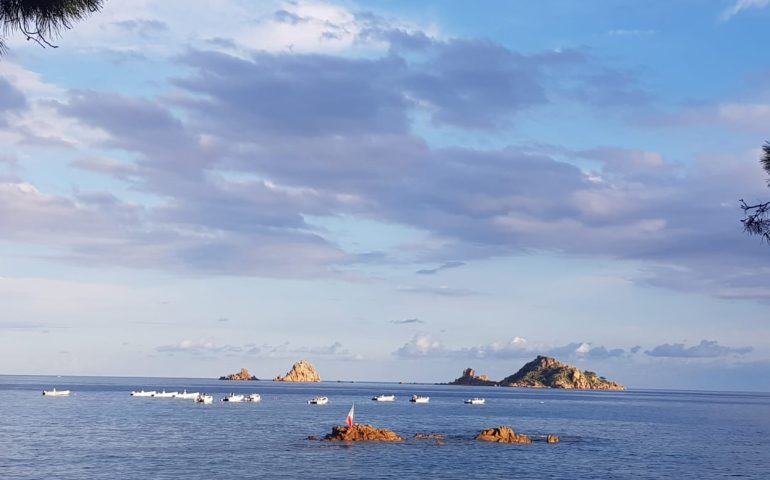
x: 302, y: 371
x: 369, y: 433
x: 242, y: 376
x: 543, y: 372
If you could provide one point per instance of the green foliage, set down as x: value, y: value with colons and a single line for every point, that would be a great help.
x: 42, y: 20
x: 765, y: 160
x: 756, y: 218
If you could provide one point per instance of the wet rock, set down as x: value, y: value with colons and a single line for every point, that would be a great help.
x: 362, y: 433
x: 426, y: 436
x: 502, y: 435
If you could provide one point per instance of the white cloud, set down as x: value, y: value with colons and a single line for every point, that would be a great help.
x: 209, y: 347
x: 424, y: 345
x: 705, y: 349
x: 741, y: 5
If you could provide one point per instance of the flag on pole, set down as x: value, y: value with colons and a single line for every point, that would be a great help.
x: 349, y: 418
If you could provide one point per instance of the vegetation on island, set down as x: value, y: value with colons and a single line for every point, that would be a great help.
x: 543, y: 372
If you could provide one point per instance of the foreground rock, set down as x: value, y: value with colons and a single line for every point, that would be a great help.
x: 507, y: 435
x: 502, y: 435
x: 243, y: 375
x: 361, y: 433
x: 301, y: 371
x: 469, y: 377
x: 547, y: 372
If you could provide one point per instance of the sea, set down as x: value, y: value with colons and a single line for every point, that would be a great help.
x: 100, y: 432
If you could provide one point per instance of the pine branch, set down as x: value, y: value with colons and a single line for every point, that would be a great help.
x: 42, y: 20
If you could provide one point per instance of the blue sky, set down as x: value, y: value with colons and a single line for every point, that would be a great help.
x: 391, y: 190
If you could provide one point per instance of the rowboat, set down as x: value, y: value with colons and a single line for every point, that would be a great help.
x: 204, y: 399
x: 142, y: 393
x: 254, y: 397
x: 233, y: 398
x: 318, y: 401
x: 165, y: 394
x: 187, y: 396
x: 475, y: 401
x: 56, y: 393
x: 384, y: 398
x: 419, y: 399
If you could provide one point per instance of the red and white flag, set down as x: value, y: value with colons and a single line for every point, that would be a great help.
x: 349, y: 418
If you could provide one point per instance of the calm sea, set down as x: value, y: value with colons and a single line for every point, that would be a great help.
x: 101, y: 432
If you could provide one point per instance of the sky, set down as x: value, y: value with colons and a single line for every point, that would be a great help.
x: 394, y: 191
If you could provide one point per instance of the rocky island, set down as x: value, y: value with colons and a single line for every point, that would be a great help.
x: 469, y: 377
x: 362, y: 433
x: 301, y: 371
x: 543, y: 372
x: 547, y: 372
x: 241, y: 376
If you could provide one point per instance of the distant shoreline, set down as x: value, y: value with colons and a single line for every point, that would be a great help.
x: 367, y: 382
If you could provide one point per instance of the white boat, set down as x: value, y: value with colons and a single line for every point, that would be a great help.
x: 187, y: 396
x: 142, y: 393
x: 165, y: 394
x: 56, y: 393
x: 233, y: 398
x: 419, y: 399
x: 204, y: 399
x: 475, y: 401
x: 254, y: 397
x: 384, y: 398
x: 318, y: 401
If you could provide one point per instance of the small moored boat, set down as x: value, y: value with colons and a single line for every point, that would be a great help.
x: 142, y: 393
x: 475, y: 401
x: 419, y: 399
x: 165, y: 394
x: 384, y: 398
x: 56, y: 393
x: 254, y: 397
x: 204, y: 399
x: 233, y: 398
x: 318, y: 401
x: 187, y: 396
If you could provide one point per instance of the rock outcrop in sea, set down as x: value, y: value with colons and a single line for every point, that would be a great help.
x: 547, y: 372
x: 362, y: 433
x: 502, y: 435
x: 543, y: 372
x: 242, y: 376
x: 301, y: 371
x: 469, y: 377
x: 507, y: 435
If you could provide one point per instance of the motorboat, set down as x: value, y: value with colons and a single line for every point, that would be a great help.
x: 165, y: 394
x: 142, y: 393
x: 384, y: 398
x: 204, y: 399
x: 318, y: 401
x: 419, y: 399
x: 233, y: 398
x: 475, y: 401
x: 187, y: 396
x: 56, y: 393
x: 254, y: 397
